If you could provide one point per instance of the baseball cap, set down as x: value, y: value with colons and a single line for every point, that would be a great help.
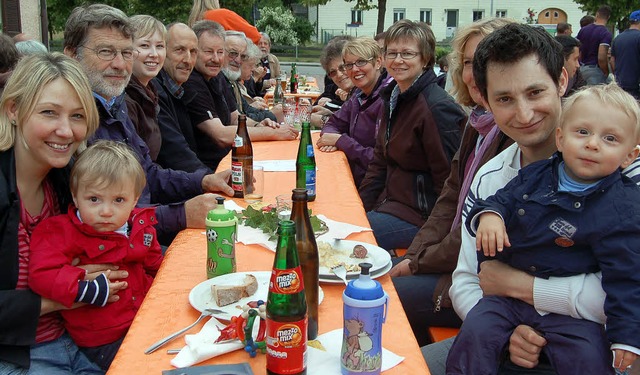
x: 635, y: 16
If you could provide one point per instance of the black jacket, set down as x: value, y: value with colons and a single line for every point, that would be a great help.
x: 19, y: 309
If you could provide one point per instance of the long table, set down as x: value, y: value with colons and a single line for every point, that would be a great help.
x: 166, y: 307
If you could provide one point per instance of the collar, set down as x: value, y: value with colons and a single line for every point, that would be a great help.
x: 108, y: 104
x: 174, y: 88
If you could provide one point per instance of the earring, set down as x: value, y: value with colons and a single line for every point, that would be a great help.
x: 13, y: 122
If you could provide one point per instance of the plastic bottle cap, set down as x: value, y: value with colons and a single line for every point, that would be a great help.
x: 220, y: 215
x: 364, y: 288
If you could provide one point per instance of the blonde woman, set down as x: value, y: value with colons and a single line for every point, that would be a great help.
x: 141, y: 95
x: 46, y: 112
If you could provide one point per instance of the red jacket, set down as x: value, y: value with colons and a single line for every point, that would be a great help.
x: 60, y: 239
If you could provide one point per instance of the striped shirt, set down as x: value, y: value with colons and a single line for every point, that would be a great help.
x: 50, y: 326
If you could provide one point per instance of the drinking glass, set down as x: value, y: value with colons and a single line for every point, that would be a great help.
x: 253, y: 184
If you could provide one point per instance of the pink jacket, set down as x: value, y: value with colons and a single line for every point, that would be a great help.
x: 57, y: 241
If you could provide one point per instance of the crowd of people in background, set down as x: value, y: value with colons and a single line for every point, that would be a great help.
x: 134, y: 118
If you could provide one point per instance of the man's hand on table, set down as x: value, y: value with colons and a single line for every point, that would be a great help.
x: 525, y: 345
x: 196, y: 209
x: 285, y: 133
x: 401, y: 269
x: 217, y: 183
x: 269, y: 123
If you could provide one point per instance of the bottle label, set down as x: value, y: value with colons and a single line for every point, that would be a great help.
x: 236, y: 175
x: 237, y: 141
x: 286, y: 346
x: 310, y: 181
x: 287, y: 281
x: 310, y: 153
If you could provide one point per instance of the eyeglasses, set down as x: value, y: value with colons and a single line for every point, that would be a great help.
x: 359, y: 63
x: 234, y: 55
x: 404, y: 55
x: 108, y: 54
x: 333, y: 72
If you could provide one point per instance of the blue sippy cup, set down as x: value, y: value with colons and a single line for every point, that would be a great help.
x: 365, y: 309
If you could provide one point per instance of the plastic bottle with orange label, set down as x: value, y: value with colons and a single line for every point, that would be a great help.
x: 286, y: 308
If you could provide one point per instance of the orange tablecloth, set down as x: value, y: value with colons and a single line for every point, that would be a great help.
x: 166, y: 308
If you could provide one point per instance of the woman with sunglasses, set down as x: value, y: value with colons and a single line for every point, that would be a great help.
x: 420, y: 131
x: 352, y: 129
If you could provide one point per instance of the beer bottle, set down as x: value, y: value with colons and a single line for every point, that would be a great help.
x: 278, y: 95
x: 306, y: 163
x: 308, y: 254
x: 241, y: 158
x: 293, y: 83
x: 286, y: 308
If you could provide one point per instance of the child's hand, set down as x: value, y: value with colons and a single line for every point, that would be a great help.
x: 491, y: 234
x: 114, y: 288
x: 623, y: 359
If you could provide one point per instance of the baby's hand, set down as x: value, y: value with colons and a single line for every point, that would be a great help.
x: 623, y: 359
x: 114, y: 288
x: 491, y: 234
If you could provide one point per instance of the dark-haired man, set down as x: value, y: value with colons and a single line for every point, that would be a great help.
x: 519, y: 71
x: 595, y: 39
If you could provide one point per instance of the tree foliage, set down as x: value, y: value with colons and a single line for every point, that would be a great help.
x: 278, y: 23
x: 620, y: 10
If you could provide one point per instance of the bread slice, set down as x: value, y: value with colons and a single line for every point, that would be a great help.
x: 227, y: 294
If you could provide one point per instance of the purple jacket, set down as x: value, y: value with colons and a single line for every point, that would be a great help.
x: 358, y: 121
x: 167, y: 187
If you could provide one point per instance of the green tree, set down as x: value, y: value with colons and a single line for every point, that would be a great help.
x: 620, y: 10
x: 278, y: 23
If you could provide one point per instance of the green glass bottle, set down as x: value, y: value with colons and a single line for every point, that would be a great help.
x: 306, y: 163
x: 286, y: 308
x: 293, y: 82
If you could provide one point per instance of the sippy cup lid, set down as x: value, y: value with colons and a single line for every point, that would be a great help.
x: 220, y: 214
x: 364, y: 288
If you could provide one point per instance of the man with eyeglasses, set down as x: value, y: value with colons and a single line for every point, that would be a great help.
x: 236, y: 46
x: 100, y: 38
x: 212, y: 106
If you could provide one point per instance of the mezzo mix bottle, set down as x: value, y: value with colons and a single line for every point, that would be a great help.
x: 286, y: 308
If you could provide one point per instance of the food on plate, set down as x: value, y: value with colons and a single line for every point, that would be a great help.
x: 227, y: 294
x: 331, y: 257
x: 359, y: 252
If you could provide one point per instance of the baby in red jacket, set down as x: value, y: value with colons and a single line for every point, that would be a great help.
x: 102, y: 227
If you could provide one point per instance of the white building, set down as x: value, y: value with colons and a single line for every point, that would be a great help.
x: 338, y: 16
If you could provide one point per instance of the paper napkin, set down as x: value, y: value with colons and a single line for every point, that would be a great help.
x: 328, y: 362
x: 200, y: 346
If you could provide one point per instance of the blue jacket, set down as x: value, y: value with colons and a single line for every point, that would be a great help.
x: 358, y: 120
x: 166, y: 187
x: 561, y: 234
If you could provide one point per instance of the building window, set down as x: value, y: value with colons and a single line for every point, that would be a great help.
x: 356, y: 17
x: 398, y: 14
x: 501, y: 14
x: 425, y: 16
x: 478, y: 15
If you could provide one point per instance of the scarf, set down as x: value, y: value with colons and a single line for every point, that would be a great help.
x: 483, y: 122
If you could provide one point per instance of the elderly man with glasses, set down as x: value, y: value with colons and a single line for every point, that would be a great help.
x: 100, y: 37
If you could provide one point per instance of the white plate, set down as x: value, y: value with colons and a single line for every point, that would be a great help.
x: 201, y: 298
x: 377, y: 256
x: 333, y: 279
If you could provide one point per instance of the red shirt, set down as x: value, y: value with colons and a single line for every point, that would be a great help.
x: 50, y: 326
